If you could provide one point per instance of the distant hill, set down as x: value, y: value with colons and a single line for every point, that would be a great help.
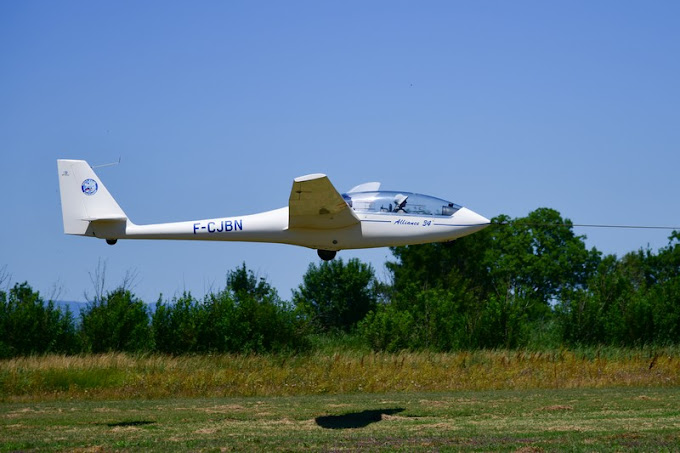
x: 74, y: 306
x: 77, y: 307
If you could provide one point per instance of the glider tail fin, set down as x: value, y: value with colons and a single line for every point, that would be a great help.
x: 85, y: 202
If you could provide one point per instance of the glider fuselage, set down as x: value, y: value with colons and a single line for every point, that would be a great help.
x: 373, y: 230
x: 317, y: 216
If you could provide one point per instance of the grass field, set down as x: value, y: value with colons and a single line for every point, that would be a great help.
x: 599, y: 400
x: 120, y: 376
x: 619, y: 419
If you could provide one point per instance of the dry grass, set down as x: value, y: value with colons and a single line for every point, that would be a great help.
x: 122, y: 376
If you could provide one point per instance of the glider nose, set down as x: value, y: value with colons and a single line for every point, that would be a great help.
x: 472, y: 220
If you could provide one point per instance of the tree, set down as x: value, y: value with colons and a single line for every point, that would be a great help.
x: 246, y: 316
x: 513, y: 273
x: 534, y: 258
x: 335, y: 296
x: 421, y: 318
x: 117, y: 322
x: 538, y: 258
x: 630, y: 301
x: 440, y: 265
x: 242, y: 281
x: 259, y: 320
x: 666, y: 294
x: 176, y: 326
x: 28, y: 325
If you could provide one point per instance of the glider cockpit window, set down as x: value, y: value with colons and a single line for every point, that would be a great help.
x: 400, y: 203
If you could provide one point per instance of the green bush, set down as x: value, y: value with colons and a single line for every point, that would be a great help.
x: 632, y: 301
x: 247, y: 316
x: 28, y: 325
x: 117, y: 322
x: 335, y: 296
x: 177, y: 325
x: 415, y: 319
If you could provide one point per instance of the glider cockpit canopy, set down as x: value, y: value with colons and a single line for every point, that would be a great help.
x: 401, y: 203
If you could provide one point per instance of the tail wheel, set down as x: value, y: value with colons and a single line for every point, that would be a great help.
x: 326, y: 255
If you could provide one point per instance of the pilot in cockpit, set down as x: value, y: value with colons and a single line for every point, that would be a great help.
x: 400, y: 203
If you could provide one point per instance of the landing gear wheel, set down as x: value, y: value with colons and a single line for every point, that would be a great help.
x: 326, y: 255
x: 111, y: 241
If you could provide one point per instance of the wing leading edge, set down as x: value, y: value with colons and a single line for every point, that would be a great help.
x: 315, y: 203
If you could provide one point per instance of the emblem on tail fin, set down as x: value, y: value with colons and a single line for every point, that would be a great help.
x: 89, y: 187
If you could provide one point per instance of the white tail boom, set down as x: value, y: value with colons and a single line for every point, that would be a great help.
x: 85, y: 202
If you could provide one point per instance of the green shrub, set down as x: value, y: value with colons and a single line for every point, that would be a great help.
x: 28, y: 325
x: 117, y: 322
x: 335, y: 296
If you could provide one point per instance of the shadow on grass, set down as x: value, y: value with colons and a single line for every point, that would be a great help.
x: 130, y: 423
x: 354, y: 419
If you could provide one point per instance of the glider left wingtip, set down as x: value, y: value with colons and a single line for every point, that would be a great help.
x: 310, y: 177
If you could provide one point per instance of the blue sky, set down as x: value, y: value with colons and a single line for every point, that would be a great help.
x: 214, y: 107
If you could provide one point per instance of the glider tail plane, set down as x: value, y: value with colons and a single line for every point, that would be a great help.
x: 87, y: 207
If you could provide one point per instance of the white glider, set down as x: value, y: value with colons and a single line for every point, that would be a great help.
x: 317, y: 216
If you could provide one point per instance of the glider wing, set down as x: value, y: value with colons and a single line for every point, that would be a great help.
x: 314, y: 203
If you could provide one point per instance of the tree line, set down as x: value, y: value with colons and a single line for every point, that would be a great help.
x: 516, y: 284
x: 522, y: 284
